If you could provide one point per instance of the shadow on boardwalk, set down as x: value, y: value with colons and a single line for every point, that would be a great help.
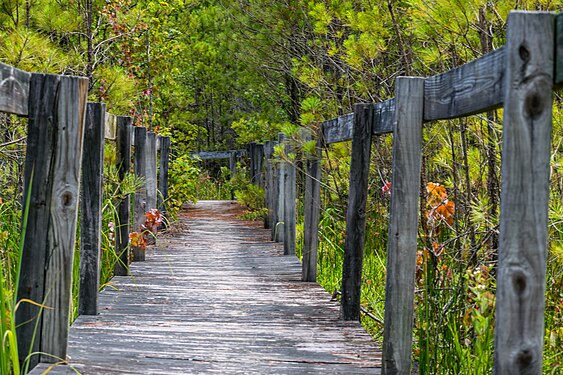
x: 218, y: 297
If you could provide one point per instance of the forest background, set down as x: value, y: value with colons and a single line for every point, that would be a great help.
x: 217, y: 74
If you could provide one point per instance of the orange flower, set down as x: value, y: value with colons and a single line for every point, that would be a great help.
x: 138, y: 240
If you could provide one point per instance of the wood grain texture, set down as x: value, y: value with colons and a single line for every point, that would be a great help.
x: 471, y: 88
x: 268, y: 183
x: 111, y: 127
x: 338, y: 129
x: 14, y: 90
x: 356, y: 212
x: 218, y: 298
x: 163, y: 174
x: 151, y: 178
x: 520, y: 298
x: 311, y: 215
x: 140, y: 197
x: 91, y: 208
x: 384, y: 117
x: 57, y: 106
x: 403, y: 225
x: 279, y: 231
x: 559, y: 49
x: 204, y: 155
x: 289, y: 204
x: 123, y: 160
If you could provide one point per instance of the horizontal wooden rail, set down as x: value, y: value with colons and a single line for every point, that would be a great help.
x: 205, y: 155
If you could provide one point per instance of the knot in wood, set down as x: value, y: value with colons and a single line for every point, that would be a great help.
x: 524, y: 52
x: 524, y: 358
x: 519, y: 281
x: 67, y: 198
x: 534, y: 104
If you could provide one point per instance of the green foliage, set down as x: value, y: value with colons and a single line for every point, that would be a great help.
x: 183, y: 179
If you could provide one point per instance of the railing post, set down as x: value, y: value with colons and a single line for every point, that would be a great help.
x: 57, y: 108
x: 91, y: 208
x: 312, y: 208
x: 163, y: 175
x: 233, y: 163
x: 279, y: 230
x: 520, y: 297
x: 258, y: 164
x: 123, y: 142
x: 356, y: 214
x: 290, y: 203
x: 269, y: 183
x: 151, y: 182
x: 403, y: 226
x: 140, y: 196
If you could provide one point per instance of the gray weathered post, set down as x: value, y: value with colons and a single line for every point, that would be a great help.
x: 356, y: 214
x: 258, y: 165
x: 123, y: 143
x: 274, y: 194
x: 311, y: 215
x: 91, y: 208
x: 250, y: 148
x: 233, y: 163
x: 151, y: 181
x: 290, y: 203
x: 278, y: 228
x: 403, y: 226
x: 269, y: 183
x: 57, y: 108
x: 140, y: 196
x: 519, y: 323
x: 163, y: 175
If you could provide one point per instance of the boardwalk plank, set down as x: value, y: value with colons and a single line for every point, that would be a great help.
x: 221, y: 298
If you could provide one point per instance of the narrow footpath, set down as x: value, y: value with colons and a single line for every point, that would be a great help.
x: 217, y: 296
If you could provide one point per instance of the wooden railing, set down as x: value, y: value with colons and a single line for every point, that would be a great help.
x: 519, y: 77
x: 64, y: 168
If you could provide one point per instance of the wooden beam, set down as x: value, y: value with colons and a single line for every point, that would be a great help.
x: 111, y: 127
x: 124, y: 130
x: 312, y: 211
x: 140, y: 197
x: 91, y: 209
x: 151, y: 170
x: 57, y: 107
x: 269, y: 183
x: 163, y: 175
x: 403, y: 226
x: 559, y: 49
x: 356, y: 213
x: 520, y: 297
x: 338, y: 129
x: 384, y: 117
x: 471, y: 88
x: 279, y: 226
x: 290, y: 203
x: 203, y: 155
x: 14, y: 90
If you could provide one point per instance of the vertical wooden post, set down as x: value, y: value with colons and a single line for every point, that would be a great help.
x: 274, y: 195
x: 123, y: 141
x: 258, y: 165
x: 279, y: 230
x: 140, y: 196
x: 91, y: 208
x: 251, y: 147
x: 312, y: 209
x: 520, y: 298
x: 269, y: 183
x: 57, y: 107
x: 290, y: 204
x: 163, y: 175
x: 356, y: 214
x: 233, y: 163
x: 403, y: 226
x: 150, y: 158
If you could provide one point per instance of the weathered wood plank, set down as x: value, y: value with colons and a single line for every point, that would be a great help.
x: 203, y: 155
x: 279, y: 230
x: 14, y: 90
x: 312, y: 212
x: 151, y: 180
x: 57, y: 106
x: 123, y: 160
x: 258, y: 160
x: 471, y: 88
x: 384, y: 117
x: 403, y: 225
x: 338, y: 129
x: 163, y: 175
x: 110, y: 132
x: 559, y: 49
x: 178, y: 312
x: 290, y: 203
x: 91, y: 208
x: 520, y: 298
x: 140, y: 197
x: 356, y: 213
x: 268, y: 183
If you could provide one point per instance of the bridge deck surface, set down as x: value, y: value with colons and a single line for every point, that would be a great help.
x: 218, y: 297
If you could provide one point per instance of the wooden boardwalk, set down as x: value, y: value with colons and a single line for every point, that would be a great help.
x: 218, y: 297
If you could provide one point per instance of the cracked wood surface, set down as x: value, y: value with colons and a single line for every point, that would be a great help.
x: 219, y: 297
